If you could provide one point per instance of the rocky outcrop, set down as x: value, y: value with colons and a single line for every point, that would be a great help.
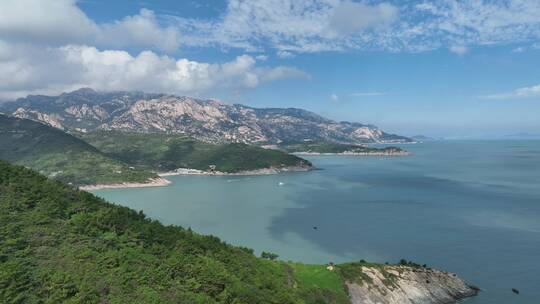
x: 208, y: 120
x: 407, y: 285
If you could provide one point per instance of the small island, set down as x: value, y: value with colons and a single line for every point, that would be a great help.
x: 330, y: 148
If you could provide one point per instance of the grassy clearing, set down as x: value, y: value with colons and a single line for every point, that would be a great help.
x: 316, y: 278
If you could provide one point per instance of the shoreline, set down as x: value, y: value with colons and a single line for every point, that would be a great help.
x: 346, y: 153
x: 160, y: 181
x: 264, y: 171
x: 153, y: 182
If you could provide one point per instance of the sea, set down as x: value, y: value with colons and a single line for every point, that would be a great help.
x: 467, y: 207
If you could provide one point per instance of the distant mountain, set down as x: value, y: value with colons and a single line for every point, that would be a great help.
x: 522, y: 136
x: 212, y: 121
x: 423, y: 138
x: 60, y: 155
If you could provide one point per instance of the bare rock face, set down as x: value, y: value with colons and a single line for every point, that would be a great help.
x: 408, y: 285
x: 207, y: 120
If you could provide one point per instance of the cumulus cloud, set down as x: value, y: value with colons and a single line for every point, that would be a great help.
x: 334, y: 97
x: 48, y: 47
x: 61, y: 22
x: 142, y: 30
x: 35, y: 70
x: 520, y: 93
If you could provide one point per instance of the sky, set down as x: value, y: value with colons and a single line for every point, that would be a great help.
x: 438, y: 68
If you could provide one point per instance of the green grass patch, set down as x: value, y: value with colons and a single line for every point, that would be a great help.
x: 316, y: 278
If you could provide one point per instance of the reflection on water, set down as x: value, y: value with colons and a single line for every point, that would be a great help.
x: 467, y: 207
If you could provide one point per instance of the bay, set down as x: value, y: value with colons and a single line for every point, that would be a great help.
x: 469, y: 207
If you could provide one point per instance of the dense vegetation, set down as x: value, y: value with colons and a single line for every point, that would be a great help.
x: 61, y: 155
x: 330, y: 147
x: 62, y: 245
x: 165, y: 152
x: 117, y: 157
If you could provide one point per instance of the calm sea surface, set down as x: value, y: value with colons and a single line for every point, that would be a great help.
x: 470, y: 207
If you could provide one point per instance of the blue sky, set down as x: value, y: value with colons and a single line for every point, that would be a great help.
x: 439, y: 68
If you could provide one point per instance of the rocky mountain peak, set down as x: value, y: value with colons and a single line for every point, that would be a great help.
x: 208, y: 120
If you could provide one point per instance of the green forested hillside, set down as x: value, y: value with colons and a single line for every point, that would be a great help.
x: 165, y: 152
x: 61, y: 155
x: 61, y: 245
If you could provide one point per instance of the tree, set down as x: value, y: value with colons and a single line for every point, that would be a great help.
x: 268, y: 255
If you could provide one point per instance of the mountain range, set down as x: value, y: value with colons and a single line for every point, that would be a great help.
x: 212, y: 121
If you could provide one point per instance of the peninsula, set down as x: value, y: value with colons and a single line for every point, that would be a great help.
x: 60, y: 244
x: 330, y: 148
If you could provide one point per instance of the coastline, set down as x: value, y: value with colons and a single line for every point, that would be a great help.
x: 264, y: 171
x: 153, y: 182
x: 348, y: 153
x: 160, y: 181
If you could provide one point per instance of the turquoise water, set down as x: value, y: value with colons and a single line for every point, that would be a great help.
x: 470, y: 207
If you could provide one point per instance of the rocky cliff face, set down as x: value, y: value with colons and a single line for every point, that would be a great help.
x: 408, y: 285
x: 212, y: 121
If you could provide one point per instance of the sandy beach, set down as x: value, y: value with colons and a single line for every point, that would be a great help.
x: 265, y: 171
x: 404, y: 153
x: 161, y: 181
x: 154, y: 182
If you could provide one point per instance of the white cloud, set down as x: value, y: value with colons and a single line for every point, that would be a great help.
x: 324, y: 25
x: 363, y: 94
x: 285, y: 54
x: 261, y: 57
x: 293, y: 26
x: 29, y: 69
x: 334, y: 98
x: 350, y: 17
x: 520, y: 93
x: 140, y: 30
x: 51, y: 46
x: 61, y: 22
x: 459, y: 49
x: 288, y: 25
